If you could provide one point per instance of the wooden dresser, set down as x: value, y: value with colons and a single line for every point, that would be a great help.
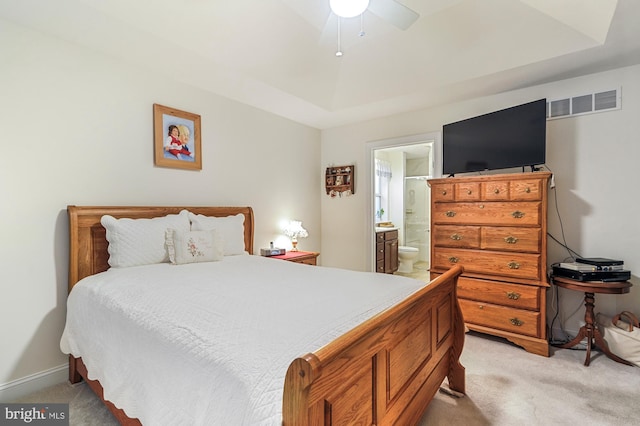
x: 495, y: 227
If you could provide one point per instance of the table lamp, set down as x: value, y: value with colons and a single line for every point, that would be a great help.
x: 294, y: 230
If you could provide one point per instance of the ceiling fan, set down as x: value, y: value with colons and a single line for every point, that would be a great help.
x: 391, y: 11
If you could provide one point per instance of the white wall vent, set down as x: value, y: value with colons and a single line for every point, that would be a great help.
x: 584, y: 104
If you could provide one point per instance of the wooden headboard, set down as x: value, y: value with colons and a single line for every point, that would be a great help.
x: 88, y: 244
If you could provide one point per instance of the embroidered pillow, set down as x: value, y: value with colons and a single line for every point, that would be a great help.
x: 230, y: 229
x: 193, y: 246
x: 135, y: 242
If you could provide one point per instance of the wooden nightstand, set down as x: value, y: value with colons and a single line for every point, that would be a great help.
x: 306, y: 257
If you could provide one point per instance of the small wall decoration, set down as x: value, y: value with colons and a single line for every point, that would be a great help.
x: 176, y: 138
x: 339, y: 181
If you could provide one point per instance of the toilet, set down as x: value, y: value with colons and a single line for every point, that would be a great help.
x: 406, y: 256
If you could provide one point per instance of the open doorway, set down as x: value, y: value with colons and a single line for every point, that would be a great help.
x: 403, y: 197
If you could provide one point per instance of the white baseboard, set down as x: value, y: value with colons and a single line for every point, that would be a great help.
x: 19, y: 388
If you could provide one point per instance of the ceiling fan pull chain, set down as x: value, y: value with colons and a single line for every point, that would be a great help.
x: 339, y: 51
x: 361, y: 25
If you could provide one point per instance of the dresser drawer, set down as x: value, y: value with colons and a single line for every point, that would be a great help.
x: 525, y: 189
x: 510, y: 239
x: 505, y: 294
x: 457, y: 236
x: 513, y: 265
x: 495, y: 190
x: 467, y: 191
x: 489, y: 213
x: 442, y: 192
x: 509, y: 319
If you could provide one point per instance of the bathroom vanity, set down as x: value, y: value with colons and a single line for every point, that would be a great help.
x: 386, y: 250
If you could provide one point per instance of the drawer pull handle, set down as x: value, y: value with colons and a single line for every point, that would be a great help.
x: 513, y: 265
x: 468, y: 192
x: 444, y: 192
x: 496, y: 191
x: 480, y: 307
x: 456, y: 237
x: 516, y: 322
x: 513, y: 295
x: 527, y: 190
x: 453, y: 259
x: 510, y: 240
x: 450, y: 213
x: 517, y: 214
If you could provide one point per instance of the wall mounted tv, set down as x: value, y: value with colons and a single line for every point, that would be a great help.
x: 512, y: 137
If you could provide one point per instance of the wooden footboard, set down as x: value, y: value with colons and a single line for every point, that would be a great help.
x: 385, y: 371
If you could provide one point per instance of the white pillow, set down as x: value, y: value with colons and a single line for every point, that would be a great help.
x: 193, y: 246
x: 140, y: 241
x: 230, y: 229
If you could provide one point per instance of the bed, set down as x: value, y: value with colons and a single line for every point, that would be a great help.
x: 383, y: 369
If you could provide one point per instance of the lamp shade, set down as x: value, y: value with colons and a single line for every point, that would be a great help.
x: 295, y: 230
x: 348, y: 8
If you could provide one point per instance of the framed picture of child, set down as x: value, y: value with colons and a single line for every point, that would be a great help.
x: 176, y: 138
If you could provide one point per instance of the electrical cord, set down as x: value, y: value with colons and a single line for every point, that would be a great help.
x: 564, y: 239
x: 556, y: 298
x: 572, y: 254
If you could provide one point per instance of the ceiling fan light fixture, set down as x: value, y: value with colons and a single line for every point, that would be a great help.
x: 348, y: 8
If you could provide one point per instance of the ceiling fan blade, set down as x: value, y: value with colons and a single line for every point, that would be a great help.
x: 393, y: 12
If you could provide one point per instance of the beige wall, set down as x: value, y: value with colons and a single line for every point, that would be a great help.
x: 77, y: 129
x: 594, y: 159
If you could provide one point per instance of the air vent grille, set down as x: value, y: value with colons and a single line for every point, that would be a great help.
x: 606, y: 100
x: 583, y: 104
x: 560, y: 108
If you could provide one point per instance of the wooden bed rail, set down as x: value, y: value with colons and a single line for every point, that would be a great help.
x: 385, y: 371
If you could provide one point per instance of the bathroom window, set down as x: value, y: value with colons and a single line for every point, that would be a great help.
x: 381, y: 190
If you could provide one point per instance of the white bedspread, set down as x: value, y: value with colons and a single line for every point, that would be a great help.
x: 210, y: 343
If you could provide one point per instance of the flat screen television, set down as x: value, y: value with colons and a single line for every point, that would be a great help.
x: 512, y: 137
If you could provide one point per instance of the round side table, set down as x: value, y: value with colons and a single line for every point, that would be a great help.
x: 589, y: 330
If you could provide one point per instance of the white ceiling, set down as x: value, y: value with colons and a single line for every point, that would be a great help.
x: 279, y: 55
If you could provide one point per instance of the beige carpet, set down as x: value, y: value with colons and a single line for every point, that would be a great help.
x: 505, y: 386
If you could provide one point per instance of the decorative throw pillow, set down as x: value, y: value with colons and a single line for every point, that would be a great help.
x: 193, y: 246
x: 135, y: 242
x: 230, y: 229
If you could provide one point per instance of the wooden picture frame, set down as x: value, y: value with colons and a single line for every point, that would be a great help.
x: 176, y: 138
x: 339, y: 181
